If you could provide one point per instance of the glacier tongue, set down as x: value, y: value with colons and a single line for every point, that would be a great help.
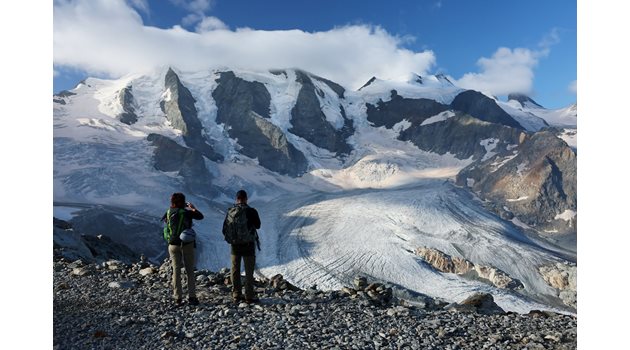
x: 328, y: 239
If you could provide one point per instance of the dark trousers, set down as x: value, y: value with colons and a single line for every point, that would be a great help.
x: 250, y: 263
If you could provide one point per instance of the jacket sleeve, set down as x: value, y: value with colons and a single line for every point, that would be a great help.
x: 196, y: 214
x: 163, y: 217
x: 253, y: 218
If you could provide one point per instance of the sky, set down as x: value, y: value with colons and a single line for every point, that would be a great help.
x: 493, y: 46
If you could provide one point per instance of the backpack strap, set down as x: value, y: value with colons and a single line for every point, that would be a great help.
x: 179, y: 225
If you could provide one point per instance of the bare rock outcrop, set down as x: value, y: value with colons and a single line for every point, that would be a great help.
x: 180, y: 110
x: 563, y: 277
x: 243, y: 107
x: 497, y: 277
x: 536, y: 182
x: 446, y: 263
x: 71, y: 244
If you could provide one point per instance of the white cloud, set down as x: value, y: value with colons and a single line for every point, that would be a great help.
x: 197, y: 9
x: 509, y: 70
x: 209, y: 24
x: 197, y: 6
x: 108, y: 37
x: 505, y: 72
x: 142, y: 5
x: 573, y: 87
x: 549, y: 40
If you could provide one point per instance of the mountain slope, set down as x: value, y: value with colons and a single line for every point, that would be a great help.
x: 302, y: 145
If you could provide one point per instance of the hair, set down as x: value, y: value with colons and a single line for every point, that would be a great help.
x: 178, y: 200
x: 241, y: 195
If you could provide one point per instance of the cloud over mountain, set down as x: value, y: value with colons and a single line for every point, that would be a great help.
x: 109, y: 37
x: 507, y: 71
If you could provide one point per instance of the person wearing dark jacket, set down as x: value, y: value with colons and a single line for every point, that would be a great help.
x: 179, y: 250
x: 244, y: 251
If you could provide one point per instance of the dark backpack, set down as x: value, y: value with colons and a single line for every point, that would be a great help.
x: 235, y: 229
x: 173, y: 219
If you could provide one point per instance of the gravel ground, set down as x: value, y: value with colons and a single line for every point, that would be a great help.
x: 114, y: 305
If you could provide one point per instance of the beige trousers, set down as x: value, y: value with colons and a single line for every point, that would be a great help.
x: 187, y: 252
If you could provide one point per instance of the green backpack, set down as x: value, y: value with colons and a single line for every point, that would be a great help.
x: 168, y: 229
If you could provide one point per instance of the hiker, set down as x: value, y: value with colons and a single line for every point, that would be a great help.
x: 181, y: 244
x: 239, y: 229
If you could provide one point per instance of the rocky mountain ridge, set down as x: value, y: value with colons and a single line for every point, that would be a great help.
x: 286, y: 118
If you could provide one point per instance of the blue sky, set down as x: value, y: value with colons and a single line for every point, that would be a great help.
x: 462, y: 39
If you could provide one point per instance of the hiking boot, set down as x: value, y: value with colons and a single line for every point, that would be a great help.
x: 253, y: 300
x: 193, y: 301
x: 237, y: 299
x: 178, y: 302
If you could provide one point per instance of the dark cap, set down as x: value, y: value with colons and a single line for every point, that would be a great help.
x: 241, y: 194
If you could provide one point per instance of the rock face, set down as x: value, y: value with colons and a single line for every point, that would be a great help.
x: 536, y: 182
x: 62, y: 96
x: 445, y: 263
x: 106, y: 234
x: 462, y: 136
x: 338, y: 89
x: 497, y: 277
x: 477, y: 119
x: 243, y: 107
x: 72, y: 245
x: 368, y: 83
x: 398, y: 109
x: 179, y: 106
x: 169, y: 156
x: 484, y: 108
x: 128, y: 116
x: 522, y: 99
x: 309, y: 122
x: 563, y: 277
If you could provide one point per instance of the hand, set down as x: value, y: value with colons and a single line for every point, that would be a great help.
x: 191, y: 206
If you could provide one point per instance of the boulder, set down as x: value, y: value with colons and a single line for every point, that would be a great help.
x: 121, y: 284
x: 482, y: 303
x: 81, y: 271
x: 147, y: 271
x: 360, y: 283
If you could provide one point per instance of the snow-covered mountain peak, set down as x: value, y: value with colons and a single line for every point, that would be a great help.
x: 524, y: 100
